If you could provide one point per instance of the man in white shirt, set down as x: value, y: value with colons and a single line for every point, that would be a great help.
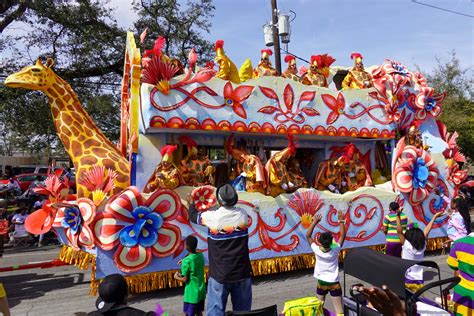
x: 326, y: 270
x: 19, y: 221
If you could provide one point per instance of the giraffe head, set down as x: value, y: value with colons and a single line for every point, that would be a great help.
x: 36, y: 77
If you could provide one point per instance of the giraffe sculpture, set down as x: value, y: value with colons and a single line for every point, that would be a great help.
x: 85, y: 143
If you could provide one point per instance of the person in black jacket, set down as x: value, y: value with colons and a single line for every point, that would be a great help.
x: 112, y: 300
x: 229, y: 261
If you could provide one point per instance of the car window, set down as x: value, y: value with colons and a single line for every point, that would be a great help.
x: 27, y: 169
x: 43, y: 170
x: 27, y: 178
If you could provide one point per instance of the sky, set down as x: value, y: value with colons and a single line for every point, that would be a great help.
x: 400, y: 30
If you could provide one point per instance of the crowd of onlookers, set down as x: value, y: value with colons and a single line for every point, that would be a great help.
x: 230, y: 269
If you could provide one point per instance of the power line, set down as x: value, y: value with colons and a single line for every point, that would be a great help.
x: 442, y: 9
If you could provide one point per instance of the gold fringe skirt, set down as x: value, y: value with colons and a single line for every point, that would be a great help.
x: 147, y: 282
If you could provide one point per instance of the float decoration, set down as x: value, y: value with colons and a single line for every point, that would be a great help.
x: 204, y: 197
x: 140, y: 234
x: 137, y: 228
x: 415, y: 172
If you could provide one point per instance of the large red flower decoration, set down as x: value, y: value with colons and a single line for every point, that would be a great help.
x: 456, y: 175
x: 75, y: 219
x: 204, y: 197
x: 235, y: 97
x: 415, y: 172
x: 336, y: 105
x: 428, y: 103
x: 138, y: 228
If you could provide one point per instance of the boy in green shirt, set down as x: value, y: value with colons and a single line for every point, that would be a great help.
x: 192, y: 274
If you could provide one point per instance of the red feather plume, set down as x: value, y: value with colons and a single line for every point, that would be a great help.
x: 327, y: 60
x: 157, y: 70
x: 219, y: 44
x: 168, y: 149
x: 291, y: 143
x: 356, y: 55
x: 188, y: 141
x: 289, y: 58
x: 268, y: 51
x: 228, y: 144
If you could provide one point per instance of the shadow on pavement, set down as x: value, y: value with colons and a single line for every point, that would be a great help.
x: 32, y: 285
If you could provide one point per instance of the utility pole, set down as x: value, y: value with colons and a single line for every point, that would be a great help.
x: 276, y: 36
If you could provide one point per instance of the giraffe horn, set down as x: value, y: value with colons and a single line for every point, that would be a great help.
x: 49, y: 62
x: 39, y: 62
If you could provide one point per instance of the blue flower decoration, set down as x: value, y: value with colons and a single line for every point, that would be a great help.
x: 400, y: 69
x: 420, y: 174
x: 72, y: 219
x: 430, y: 104
x: 144, y: 231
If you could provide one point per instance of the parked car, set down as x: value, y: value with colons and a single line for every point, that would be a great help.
x: 24, y: 180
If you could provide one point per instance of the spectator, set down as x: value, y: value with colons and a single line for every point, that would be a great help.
x: 39, y: 204
x: 413, y: 248
x: 1, y: 173
x: 465, y: 194
x: 12, y: 187
x: 394, y: 246
x: 460, y: 260
x: 459, y: 223
x: 19, y: 221
x: 112, y: 300
x: 326, y: 269
x: 192, y: 274
x: 4, y: 308
x: 229, y: 261
x: 384, y: 300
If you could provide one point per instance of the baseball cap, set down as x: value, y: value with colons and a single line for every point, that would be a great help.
x: 112, y: 290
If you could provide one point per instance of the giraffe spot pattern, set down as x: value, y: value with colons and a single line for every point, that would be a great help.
x: 66, y: 118
x: 76, y: 148
x: 52, y: 93
x: 66, y: 131
x: 91, y: 143
x: 101, y: 152
x: 88, y: 160
x: 58, y: 89
x: 77, y: 117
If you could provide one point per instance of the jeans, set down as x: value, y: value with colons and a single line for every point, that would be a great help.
x: 217, y: 294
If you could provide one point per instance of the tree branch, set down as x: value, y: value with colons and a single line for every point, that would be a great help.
x: 116, y: 67
x: 12, y: 17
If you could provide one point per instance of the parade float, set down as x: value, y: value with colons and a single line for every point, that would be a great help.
x: 294, y: 145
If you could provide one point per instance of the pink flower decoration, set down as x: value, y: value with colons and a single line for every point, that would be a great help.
x: 138, y: 228
x: 428, y: 103
x: 235, y: 97
x: 415, y: 173
x: 204, y: 197
x: 76, y: 220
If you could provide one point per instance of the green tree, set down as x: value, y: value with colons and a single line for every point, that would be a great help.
x: 458, y: 107
x: 180, y: 25
x: 88, y: 47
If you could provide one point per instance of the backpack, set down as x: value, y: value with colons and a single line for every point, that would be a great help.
x: 306, y: 306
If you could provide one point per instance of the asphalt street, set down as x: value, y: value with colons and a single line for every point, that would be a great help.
x: 64, y: 290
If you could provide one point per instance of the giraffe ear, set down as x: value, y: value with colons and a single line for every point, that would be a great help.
x: 49, y: 63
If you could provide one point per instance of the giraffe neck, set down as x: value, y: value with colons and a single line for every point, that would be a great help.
x: 74, y: 126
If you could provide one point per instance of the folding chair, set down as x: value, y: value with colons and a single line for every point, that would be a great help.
x: 377, y: 269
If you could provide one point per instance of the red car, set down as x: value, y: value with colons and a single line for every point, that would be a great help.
x: 24, y: 180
